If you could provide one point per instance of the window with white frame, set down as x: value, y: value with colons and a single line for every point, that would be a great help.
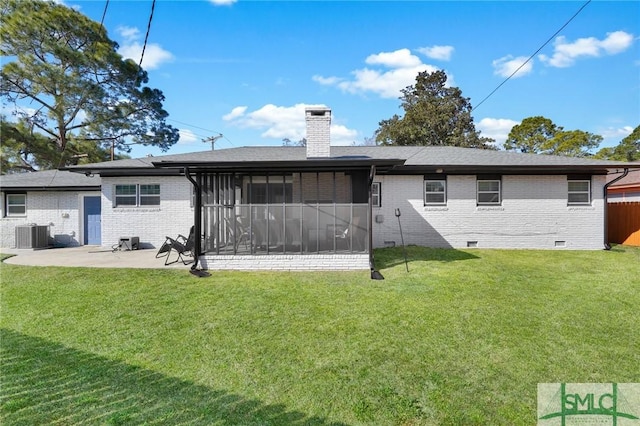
x: 579, y: 191
x: 489, y: 192
x: 15, y: 205
x: 137, y: 195
x: 150, y: 195
x: 435, y: 192
x: 376, y: 195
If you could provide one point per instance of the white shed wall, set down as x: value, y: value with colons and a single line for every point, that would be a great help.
x: 534, y: 214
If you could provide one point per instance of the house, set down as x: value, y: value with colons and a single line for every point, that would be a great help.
x: 626, y: 189
x: 623, y: 209
x: 324, y: 207
x: 67, y: 205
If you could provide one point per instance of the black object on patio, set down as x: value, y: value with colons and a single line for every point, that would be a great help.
x: 181, y: 245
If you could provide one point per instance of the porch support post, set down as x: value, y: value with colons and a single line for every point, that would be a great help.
x: 375, y: 275
x: 197, y: 219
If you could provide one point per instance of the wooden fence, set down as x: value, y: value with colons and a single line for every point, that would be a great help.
x: 624, y: 223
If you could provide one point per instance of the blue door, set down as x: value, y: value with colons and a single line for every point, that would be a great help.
x: 92, y: 221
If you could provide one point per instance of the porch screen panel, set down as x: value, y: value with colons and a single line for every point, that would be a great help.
x: 293, y: 227
x: 360, y: 187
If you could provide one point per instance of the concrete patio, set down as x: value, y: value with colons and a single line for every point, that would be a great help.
x: 90, y: 256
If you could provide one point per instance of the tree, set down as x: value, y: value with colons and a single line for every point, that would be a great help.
x: 78, y: 89
x: 572, y: 143
x: 289, y: 142
x: 433, y: 115
x: 539, y: 135
x: 627, y: 150
x: 24, y: 150
x: 530, y: 135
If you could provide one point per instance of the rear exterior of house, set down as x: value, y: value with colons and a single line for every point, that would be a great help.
x: 324, y: 207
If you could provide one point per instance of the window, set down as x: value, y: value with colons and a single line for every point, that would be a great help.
x: 15, y: 204
x: 376, y: 199
x: 149, y: 195
x: 435, y: 191
x: 137, y: 195
x: 579, y: 192
x: 489, y: 191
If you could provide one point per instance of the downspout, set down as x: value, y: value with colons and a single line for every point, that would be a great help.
x: 375, y: 275
x: 197, y: 218
x: 607, y: 246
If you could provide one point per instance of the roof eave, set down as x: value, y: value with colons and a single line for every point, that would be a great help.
x: 328, y: 164
x: 458, y: 169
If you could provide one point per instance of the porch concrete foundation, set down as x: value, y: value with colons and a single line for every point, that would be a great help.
x: 307, y: 262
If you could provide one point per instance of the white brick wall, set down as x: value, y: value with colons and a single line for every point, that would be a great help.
x: 312, y: 262
x: 60, y: 210
x: 534, y: 214
x: 152, y: 224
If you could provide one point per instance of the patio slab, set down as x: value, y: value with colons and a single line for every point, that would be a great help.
x: 90, y: 256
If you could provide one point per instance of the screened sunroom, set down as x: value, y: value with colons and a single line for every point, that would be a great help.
x: 285, y: 213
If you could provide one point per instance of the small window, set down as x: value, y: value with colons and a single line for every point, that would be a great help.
x: 435, y: 192
x: 137, y: 195
x: 489, y: 192
x: 376, y: 199
x: 149, y: 195
x: 16, y: 205
x: 579, y: 192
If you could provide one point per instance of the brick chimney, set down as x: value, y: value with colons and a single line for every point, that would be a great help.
x: 318, y: 121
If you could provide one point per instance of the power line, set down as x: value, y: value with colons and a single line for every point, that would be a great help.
x: 532, y: 56
x: 104, y: 13
x: 146, y: 37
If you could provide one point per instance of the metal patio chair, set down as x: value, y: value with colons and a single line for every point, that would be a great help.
x: 181, y: 245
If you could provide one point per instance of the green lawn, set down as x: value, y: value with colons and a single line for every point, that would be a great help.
x: 463, y: 338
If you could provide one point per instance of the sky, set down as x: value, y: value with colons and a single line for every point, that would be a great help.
x: 247, y: 69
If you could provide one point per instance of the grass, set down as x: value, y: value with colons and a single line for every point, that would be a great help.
x: 462, y: 338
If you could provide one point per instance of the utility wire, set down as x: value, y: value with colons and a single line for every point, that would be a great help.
x: 532, y: 56
x: 104, y: 13
x: 201, y: 128
x: 146, y: 37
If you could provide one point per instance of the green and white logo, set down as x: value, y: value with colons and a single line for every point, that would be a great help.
x: 616, y: 404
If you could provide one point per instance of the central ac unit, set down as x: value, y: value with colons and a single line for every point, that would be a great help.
x: 32, y: 236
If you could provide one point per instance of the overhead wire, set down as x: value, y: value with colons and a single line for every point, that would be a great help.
x: 532, y: 55
x: 146, y: 37
x: 104, y: 13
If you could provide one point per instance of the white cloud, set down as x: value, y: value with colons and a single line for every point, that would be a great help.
x: 496, y: 128
x: 507, y: 65
x: 279, y: 122
x: 401, y: 58
x: 128, y: 33
x: 222, y: 2
x: 154, y: 54
x: 618, y: 133
x: 235, y: 113
x: 566, y: 53
x: 387, y: 83
x: 187, y: 137
x: 442, y: 53
x: 326, y: 81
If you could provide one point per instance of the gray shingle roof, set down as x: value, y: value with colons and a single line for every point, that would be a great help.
x: 415, y: 158
x: 48, y: 180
